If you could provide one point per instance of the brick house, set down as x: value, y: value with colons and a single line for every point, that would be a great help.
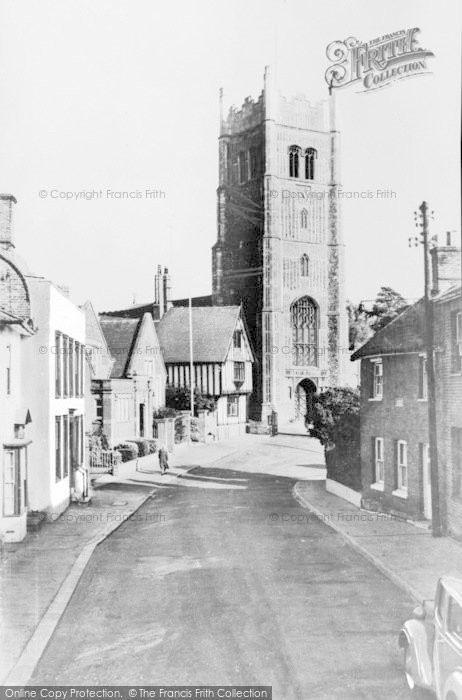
x: 394, y: 421
x: 448, y: 316
x: 395, y: 463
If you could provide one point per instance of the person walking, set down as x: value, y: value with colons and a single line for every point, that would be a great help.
x: 163, y: 460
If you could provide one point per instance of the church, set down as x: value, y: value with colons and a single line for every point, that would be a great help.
x: 279, y: 249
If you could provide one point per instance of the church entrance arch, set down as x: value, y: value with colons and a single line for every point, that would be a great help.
x: 304, y: 393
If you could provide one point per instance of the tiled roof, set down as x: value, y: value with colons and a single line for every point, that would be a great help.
x: 120, y: 334
x: 6, y: 317
x: 213, y: 327
x: 406, y: 333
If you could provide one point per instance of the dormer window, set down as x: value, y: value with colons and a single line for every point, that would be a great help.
x: 311, y: 155
x: 294, y: 159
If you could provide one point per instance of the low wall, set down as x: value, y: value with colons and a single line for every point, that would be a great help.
x: 344, y: 492
x: 148, y: 462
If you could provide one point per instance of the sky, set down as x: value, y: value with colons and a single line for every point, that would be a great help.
x: 122, y: 95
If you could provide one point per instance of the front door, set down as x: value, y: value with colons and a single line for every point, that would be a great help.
x: 141, y: 419
x: 426, y: 481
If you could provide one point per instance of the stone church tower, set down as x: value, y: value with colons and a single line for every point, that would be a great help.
x: 279, y: 248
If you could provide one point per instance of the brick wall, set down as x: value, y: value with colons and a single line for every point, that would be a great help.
x: 449, y: 406
x: 400, y: 415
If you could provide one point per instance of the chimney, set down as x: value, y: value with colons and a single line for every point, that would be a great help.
x: 167, y: 290
x: 158, y: 294
x: 445, y: 264
x: 6, y: 221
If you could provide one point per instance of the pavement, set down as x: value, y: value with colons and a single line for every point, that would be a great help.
x: 40, y: 577
x: 406, y: 552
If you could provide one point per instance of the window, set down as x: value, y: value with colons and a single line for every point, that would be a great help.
x: 294, y: 158
x: 454, y: 619
x: 242, y: 162
x: 8, y: 369
x: 377, y: 379
x: 71, y: 367
x: 58, y: 364
x: 310, y: 156
x: 81, y: 445
x: 239, y: 372
x: 440, y: 601
x: 304, y: 265
x: 10, y: 500
x: 304, y: 218
x: 422, y: 377
x: 401, y: 465
x: 81, y: 370
x: 76, y: 369
x: 233, y: 405
x: 124, y: 405
x: 253, y: 158
x: 65, y: 448
x: 456, y: 341
x: 456, y: 461
x: 304, y: 321
x: 379, y: 463
x: 66, y: 364
x: 58, y: 452
x: 237, y: 339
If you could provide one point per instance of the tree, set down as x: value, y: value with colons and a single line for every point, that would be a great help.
x: 388, y: 305
x: 363, y: 323
x: 179, y: 398
x: 335, y: 418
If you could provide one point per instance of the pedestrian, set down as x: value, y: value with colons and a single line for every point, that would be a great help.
x: 163, y: 460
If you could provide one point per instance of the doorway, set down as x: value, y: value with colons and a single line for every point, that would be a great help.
x: 426, y: 480
x: 141, y: 419
x: 304, y: 393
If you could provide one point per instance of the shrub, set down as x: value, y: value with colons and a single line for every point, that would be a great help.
x: 152, y: 445
x: 335, y: 418
x: 165, y: 412
x: 180, y: 399
x: 128, y: 450
x: 143, y: 446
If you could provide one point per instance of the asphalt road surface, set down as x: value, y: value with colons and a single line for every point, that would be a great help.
x: 224, y: 579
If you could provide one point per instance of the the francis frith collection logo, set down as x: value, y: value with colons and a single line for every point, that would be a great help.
x: 377, y: 63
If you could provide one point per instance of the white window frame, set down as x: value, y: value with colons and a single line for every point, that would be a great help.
x: 401, y: 467
x: 377, y: 388
x: 233, y: 404
x: 379, y: 464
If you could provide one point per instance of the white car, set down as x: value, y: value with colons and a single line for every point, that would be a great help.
x: 432, y: 643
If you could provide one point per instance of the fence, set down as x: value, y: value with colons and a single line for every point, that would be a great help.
x: 103, y: 461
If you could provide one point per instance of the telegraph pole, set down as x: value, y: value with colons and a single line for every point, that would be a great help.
x: 191, y: 359
x: 422, y: 222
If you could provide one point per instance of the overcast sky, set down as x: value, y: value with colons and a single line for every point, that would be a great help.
x: 123, y: 95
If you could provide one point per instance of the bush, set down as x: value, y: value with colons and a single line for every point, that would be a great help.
x: 335, y: 418
x: 128, y: 450
x: 98, y: 440
x: 165, y: 412
x: 180, y: 400
x: 143, y: 446
x: 152, y: 445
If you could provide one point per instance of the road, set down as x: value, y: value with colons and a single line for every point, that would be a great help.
x: 224, y: 579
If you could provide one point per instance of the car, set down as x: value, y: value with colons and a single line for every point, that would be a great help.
x: 432, y: 643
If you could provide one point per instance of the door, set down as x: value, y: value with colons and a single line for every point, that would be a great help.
x: 141, y: 419
x: 426, y: 480
x: 449, y: 650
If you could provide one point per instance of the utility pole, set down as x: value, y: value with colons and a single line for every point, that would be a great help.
x: 191, y: 364
x: 421, y: 219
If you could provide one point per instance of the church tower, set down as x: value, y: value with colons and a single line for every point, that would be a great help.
x: 279, y: 248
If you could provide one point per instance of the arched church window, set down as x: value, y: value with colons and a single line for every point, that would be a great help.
x: 304, y: 322
x: 294, y: 158
x: 310, y: 156
x: 304, y: 218
x: 304, y: 265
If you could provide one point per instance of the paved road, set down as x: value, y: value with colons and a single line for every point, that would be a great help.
x: 224, y: 579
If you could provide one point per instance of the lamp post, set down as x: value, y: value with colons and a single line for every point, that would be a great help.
x: 421, y: 221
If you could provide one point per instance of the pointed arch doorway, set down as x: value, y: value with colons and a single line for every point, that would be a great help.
x: 304, y: 393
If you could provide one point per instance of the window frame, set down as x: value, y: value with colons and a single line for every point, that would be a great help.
x: 294, y: 161
x: 237, y: 335
x: 379, y: 459
x: 402, y: 466
x: 311, y: 155
x: 239, y: 371
x: 376, y: 391
x: 58, y: 449
x: 232, y: 403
